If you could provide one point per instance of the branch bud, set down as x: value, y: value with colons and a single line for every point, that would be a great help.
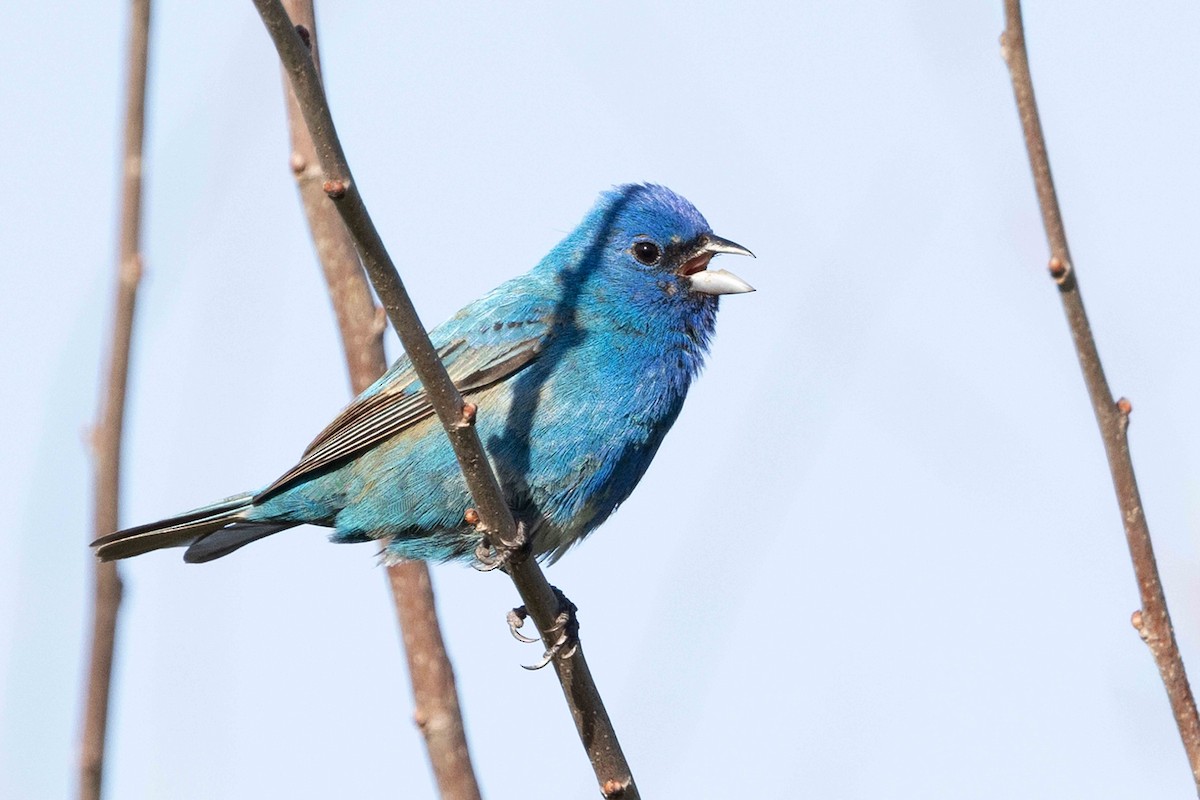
x: 335, y: 188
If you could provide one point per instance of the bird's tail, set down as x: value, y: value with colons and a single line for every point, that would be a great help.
x: 209, y: 532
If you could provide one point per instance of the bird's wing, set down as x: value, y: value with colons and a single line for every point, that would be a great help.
x: 399, y: 401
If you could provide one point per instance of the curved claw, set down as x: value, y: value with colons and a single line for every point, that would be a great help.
x: 497, y: 555
x: 516, y: 619
x: 487, y: 558
x: 547, y: 657
x: 571, y: 650
x: 566, y: 625
x: 564, y: 647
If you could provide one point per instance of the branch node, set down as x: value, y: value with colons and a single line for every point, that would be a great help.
x: 1139, y: 624
x: 380, y: 321
x: 1124, y: 409
x: 1059, y: 269
x: 471, y: 516
x: 297, y: 162
x: 468, y: 415
x: 305, y: 36
x: 336, y: 188
x: 614, y: 788
x: 130, y: 272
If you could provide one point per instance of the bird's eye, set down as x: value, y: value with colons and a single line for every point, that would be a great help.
x: 647, y: 253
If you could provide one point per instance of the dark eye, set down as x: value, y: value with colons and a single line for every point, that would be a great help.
x: 647, y: 253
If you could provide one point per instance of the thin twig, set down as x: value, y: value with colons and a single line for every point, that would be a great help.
x: 435, y: 697
x: 106, y: 442
x: 1152, y: 621
x: 583, y: 699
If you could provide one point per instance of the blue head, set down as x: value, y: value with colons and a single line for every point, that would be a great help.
x: 641, y: 255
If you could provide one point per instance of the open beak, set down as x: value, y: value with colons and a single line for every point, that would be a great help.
x: 714, y: 281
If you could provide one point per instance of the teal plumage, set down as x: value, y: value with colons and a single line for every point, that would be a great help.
x: 578, y: 367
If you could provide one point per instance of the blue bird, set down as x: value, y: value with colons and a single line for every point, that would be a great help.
x: 578, y: 368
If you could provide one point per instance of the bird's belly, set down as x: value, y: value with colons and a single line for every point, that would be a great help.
x: 566, y: 454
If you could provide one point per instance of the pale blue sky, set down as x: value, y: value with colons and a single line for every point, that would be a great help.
x: 879, y: 555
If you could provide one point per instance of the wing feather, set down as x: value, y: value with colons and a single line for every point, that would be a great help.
x: 402, y: 403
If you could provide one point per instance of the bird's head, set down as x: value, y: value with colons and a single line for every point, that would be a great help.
x: 655, y: 234
x: 638, y: 264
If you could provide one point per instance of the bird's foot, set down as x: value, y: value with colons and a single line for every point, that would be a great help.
x: 490, y: 555
x: 564, y: 632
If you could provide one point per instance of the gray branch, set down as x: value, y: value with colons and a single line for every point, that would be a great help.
x: 495, y: 519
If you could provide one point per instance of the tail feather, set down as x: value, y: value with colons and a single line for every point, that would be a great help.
x: 221, y: 521
x: 224, y: 541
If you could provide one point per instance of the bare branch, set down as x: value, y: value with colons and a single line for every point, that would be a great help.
x: 107, y: 434
x: 1152, y: 621
x: 435, y: 697
x: 359, y: 321
x: 583, y: 699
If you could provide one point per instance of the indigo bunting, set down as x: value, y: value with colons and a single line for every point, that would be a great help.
x: 578, y: 369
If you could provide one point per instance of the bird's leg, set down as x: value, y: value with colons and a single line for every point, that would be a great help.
x: 564, y: 631
x: 492, y: 553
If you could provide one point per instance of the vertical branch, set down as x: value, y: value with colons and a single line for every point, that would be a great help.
x: 107, y: 434
x: 360, y: 323
x: 1152, y: 620
x: 495, y: 519
x: 435, y: 697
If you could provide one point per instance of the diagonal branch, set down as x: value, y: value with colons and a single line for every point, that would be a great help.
x: 1152, y: 621
x: 435, y: 697
x: 583, y: 699
x: 106, y: 441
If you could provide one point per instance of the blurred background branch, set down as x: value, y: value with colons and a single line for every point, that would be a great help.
x: 106, y: 437
x: 1152, y: 621
x: 361, y: 323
